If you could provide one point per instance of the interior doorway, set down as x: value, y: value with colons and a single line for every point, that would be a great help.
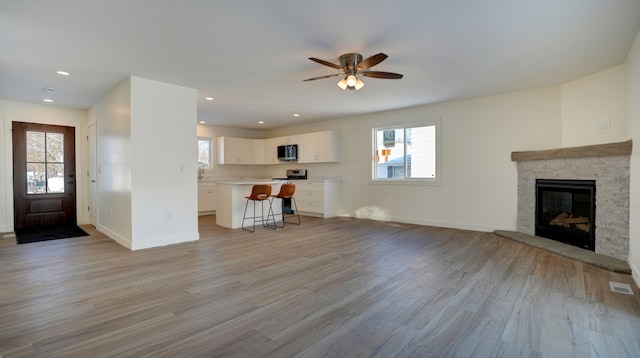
x: 93, y: 177
x: 44, y: 178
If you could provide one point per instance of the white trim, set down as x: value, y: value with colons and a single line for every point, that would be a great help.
x: 115, y: 236
x: 140, y: 244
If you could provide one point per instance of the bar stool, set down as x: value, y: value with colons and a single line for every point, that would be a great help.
x: 286, y: 192
x: 259, y: 193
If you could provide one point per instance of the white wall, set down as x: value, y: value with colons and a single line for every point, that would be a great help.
x: 11, y: 111
x: 163, y: 165
x: 479, y: 181
x: 633, y: 97
x: 147, y: 189
x: 592, y: 103
x: 113, y: 122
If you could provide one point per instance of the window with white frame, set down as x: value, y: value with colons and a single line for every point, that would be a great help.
x: 204, y: 152
x: 406, y: 153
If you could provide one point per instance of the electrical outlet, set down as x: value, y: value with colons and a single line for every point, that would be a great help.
x: 169, y: 216
x: 604, y: 123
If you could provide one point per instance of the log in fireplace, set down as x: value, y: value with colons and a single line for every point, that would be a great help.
x: 565, y: 211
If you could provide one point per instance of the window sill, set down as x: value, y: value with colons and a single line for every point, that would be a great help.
x: 428, y: 182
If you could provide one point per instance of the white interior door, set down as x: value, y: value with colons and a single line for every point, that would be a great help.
x: 93, y: 178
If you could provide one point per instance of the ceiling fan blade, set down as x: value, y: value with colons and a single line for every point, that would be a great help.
x: 321, y: 77
x: 326, y: 63
x: 371, y: 61
x: 379, y: 74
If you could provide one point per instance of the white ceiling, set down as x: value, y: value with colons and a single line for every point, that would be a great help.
x: 252, y: 55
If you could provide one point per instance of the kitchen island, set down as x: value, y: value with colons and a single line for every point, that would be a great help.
x: 231, y: 201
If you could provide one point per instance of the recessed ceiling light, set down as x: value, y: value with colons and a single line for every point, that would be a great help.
x: 63, y: 73
x: 48, y: 100
x: 209, y: 98
x: 261, y: 122
x: 296, y: 115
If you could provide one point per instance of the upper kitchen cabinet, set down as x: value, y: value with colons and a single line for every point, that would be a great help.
x: 257, y: 155
x: 271, y: 147
x: 240, y: 151
x: 271, y: 150
x: 319, y: 147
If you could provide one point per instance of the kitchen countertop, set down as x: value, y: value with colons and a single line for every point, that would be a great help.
x: 250, y: 182
x: 265, y: 181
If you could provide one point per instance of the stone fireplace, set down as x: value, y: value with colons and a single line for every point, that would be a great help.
x: 606, y: 166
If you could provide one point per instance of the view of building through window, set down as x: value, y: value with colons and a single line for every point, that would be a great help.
x: 407, y: 152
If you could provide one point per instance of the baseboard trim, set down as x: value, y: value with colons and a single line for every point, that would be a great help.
x: 114, y: 236
x: 140, y: 244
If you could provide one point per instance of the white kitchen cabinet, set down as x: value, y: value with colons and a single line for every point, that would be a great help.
x: 312, y: 148
x: 293, y: 139
x: 319, y: 147
x: 271, y: 150
x: 317, y: 197
x: 245, y: 151
x: 228, y: 150
x: 257, y: 154
x: 240, y: 151
x: 206, y: 197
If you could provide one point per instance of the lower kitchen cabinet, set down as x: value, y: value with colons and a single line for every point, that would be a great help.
x: 317, y: 197
x: 206, y: 197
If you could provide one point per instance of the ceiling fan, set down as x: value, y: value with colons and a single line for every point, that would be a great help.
x: 351, y: 65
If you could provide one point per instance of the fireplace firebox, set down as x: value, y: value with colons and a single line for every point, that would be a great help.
x: 565, y: 211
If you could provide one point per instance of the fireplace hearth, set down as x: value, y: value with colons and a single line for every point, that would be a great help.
x: 565, y: 211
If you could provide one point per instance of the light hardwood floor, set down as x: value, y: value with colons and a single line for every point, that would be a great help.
x: 339, y: 287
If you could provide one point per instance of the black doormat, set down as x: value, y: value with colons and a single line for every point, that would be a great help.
x: 44, y: 233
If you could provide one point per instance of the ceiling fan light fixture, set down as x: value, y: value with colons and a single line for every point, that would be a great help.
x: 343, y: 84
x: 359, y: 84
x: 351, y: 80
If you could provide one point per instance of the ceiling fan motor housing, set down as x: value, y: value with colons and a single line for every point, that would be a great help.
x: 349, y: 61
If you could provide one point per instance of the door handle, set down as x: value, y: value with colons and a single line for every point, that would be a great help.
x: 93, y: 181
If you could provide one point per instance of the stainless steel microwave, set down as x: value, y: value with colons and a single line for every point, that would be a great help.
x: 288, y: 152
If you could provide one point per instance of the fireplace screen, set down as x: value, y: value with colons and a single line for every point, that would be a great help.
x: 565, y: 211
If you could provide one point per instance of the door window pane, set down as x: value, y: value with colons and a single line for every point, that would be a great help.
x: 45, y: 162
x: 35, y: 146
x: 55, y: 178
x: 35, y: 178
x: 55, y: 147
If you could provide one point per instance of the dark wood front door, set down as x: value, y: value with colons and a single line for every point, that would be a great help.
x: 44, y: 183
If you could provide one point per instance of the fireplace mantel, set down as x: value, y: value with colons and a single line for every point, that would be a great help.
x: 589, y: 151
